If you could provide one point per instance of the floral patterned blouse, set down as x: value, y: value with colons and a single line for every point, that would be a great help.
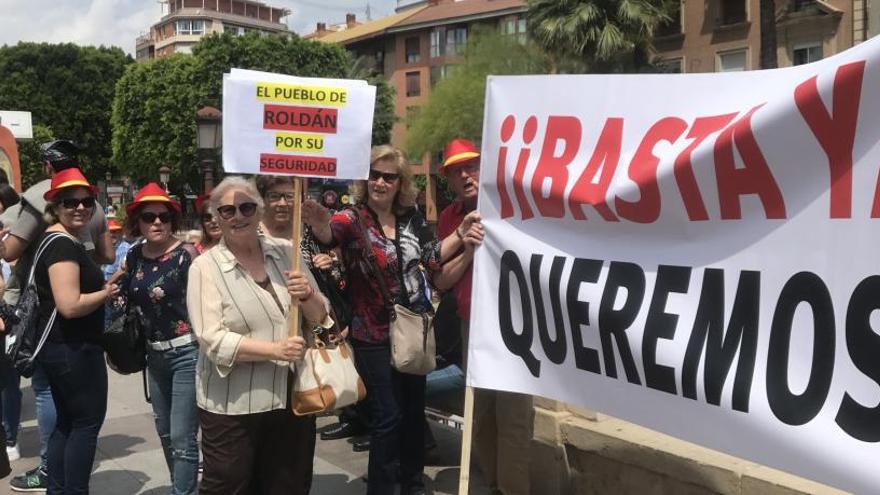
x: 401, y: 262
x: 157, y: 287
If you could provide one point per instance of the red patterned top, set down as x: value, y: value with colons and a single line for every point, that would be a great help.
x: 399, y: 260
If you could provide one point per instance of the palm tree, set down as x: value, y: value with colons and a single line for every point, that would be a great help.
x: 608, y: 35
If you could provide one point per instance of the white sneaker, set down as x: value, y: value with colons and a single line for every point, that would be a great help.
x: 12, y: 452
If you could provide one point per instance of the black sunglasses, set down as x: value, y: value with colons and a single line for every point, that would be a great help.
x: 228, y: 211
x: 388, y: 177
x: 73, y: 203
x: 150, y: 217
x: 207, y: 217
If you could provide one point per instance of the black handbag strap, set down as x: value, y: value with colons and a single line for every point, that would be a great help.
x: 374, y: 265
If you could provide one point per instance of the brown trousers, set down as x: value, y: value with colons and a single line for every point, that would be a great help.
x: 269, y: 453
x: 504, y: 424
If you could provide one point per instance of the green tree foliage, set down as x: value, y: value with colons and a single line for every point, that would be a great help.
x: 608, y: 35
x: 68, y: 89
x: 455, y: 108
x: 156, y: 102
x: 154, y: 119
x: 29, y: 156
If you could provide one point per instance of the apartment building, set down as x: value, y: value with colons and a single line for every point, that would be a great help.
x: 421, y: 43
x: 725, y: 35
x: 185, y: 22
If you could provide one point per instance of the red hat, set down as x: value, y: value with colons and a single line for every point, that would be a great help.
x: 459, y: 151
x: 152, y: 193
x: 71, y: 177
x: 113, y: 225
x: 200, y: 202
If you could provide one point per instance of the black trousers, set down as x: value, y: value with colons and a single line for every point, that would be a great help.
x: 397, y: 438
x: 265, y: 453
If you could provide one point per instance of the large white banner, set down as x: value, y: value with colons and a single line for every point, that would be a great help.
x: 285, y: 125
x: 697, y: 254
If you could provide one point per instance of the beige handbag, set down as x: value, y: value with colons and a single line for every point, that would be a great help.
x: 326, y: 379
x: 413, y: 348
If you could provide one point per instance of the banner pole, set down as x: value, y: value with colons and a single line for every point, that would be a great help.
x: 295, y: 253
x: 466, y: 441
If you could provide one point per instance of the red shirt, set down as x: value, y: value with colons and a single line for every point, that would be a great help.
x: 450, y: 219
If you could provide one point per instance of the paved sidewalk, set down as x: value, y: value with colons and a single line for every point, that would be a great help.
x: 130, y: 460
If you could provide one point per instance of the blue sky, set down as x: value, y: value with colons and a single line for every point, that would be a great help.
x: 119, y: 22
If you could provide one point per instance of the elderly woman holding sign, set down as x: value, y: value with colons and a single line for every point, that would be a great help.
x: 239, y: 297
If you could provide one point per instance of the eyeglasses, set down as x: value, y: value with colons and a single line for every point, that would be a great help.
x: 207, y: 217
x: 228, y: 211
x: 274, y: 197
x: 150, y: 217
x: 73, y: 203
x: 388, y: 177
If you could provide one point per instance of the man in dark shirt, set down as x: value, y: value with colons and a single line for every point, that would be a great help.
x: 503, y: 421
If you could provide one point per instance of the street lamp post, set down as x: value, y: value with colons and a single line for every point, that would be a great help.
x: 210, y: 136
x: 165, y: 176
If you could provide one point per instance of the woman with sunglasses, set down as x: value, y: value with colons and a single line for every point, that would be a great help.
x: 239, y: 296
x: 211, y: 232
x: 402, y: 241
x: 70, y: 282
x: 155, y: 285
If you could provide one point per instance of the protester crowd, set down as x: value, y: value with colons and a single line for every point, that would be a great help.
x: 214, y: 319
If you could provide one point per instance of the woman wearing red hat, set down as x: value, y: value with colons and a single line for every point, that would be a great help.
x: 70, y: 282
x: 155, y: 283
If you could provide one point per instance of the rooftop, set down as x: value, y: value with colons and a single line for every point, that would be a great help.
x: 368, y: 29
x: 447, y: 12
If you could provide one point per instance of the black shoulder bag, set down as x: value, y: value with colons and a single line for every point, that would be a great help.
x: 124, y: 339
x: 24, y: 340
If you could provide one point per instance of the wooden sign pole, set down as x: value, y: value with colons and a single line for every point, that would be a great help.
x: 295, y: 253
x: 464, y: 470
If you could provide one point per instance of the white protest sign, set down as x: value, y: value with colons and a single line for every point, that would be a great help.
x: 697, y: 254
x: 287, y: 125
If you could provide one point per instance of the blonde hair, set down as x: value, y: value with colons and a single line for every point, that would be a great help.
x: 239, y: 183
x: 407, y: 190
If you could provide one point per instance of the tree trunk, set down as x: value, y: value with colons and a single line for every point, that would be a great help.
x: 768, y: 34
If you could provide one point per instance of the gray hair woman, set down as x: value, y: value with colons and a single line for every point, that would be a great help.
x: 239, y: 298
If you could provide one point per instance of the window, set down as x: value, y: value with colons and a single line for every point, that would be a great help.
x: 805, y: 54
x: 413, y: 50
x: 191, y: 26
x: 514, y: 26
x: 735, y: 61
x: 441, y: 72
x: 413, y: 84
x: 237, y: 30
x: 412, y: 113
x: 671, y: 65
x: 733, y: 12
x: 456, y: 39
x: 436, y: 45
